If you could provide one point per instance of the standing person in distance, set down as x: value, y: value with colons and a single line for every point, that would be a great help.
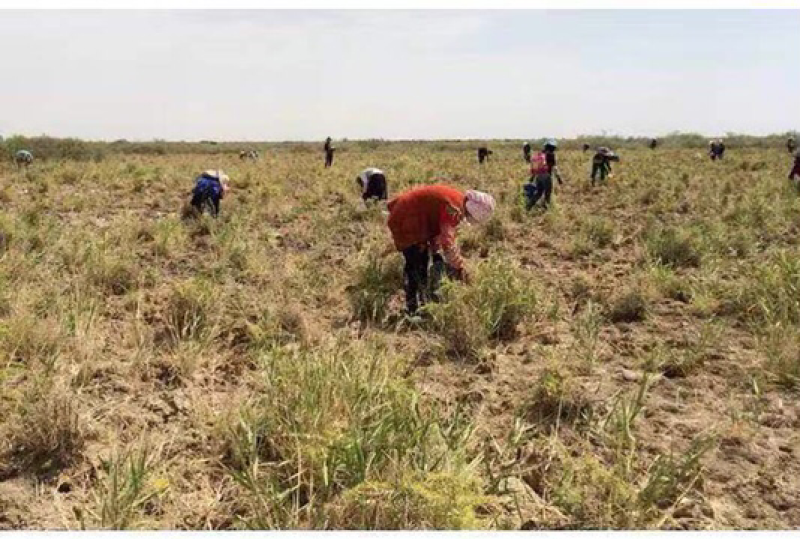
x: 653, y: 144
x: 791, y: 144
x: 329, y: 149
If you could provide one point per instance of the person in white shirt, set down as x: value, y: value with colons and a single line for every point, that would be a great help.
x: 373, y: 184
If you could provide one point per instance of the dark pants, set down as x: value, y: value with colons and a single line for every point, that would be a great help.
x: 328, y: 159
x: 541, y: 186
x: 376, y: 188
x: 601, y: 169
x: 415, y: 272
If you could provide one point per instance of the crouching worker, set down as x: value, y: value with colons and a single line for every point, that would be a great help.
x: 373, y: 184
x: 601, y: 163
x: 543, y: 167
x: 23, y: 158
x: 423, y: 223
x: 209, y: 188
x: 483, y: 154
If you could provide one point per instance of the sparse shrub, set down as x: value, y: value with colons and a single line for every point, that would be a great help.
x: 630, y: 306
x: 672, y: 247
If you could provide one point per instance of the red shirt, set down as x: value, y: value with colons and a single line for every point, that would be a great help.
x: 428, y: 215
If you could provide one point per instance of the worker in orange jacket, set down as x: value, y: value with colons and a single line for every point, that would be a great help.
x: 423, y: 222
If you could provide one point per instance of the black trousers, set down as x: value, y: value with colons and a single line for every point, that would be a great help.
x: 599, y: 168
x: 376, y: 189
x: 419, y: 289
x: 328, y: 159
x: 541, y: 186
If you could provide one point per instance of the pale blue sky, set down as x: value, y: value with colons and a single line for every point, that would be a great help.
x: 292, y: 75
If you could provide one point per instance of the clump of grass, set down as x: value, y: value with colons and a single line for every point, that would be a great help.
x: 500, y: 298
x: 599, y: 231
x: 112, y: 274
x: 29, y: 339
x: 557, y: 398
x: 188, y: 311
x: 327, y: 420
x: 44, y: 433
x: 771, y: 295
x: 781, y: 348
x: 672, y: 247
x: 377, y: 281
x: 630, y: 306
x: 669, y: 284
x: 439, y: 501
x: 125, y: 491
x: 586, y: 327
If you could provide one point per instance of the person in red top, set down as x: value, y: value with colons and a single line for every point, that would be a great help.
x: 423, y: 222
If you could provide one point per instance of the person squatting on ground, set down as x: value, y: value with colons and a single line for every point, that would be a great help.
x: 483, y: 154
x: 716, y: 149
x: 23, y: 158
x: 543, y: 168
x: 791, y: 144
x: 373, y: 184
x: 329, y: 149
x: 210, y: 187
x: 423, y: 223
x: 248, y: 154
x: 526, y: 152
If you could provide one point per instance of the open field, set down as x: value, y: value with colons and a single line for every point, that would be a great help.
x: 629, y: 359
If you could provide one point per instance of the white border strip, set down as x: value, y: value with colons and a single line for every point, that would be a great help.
x: 400, y: 4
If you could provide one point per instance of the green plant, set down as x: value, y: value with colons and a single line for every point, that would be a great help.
x: 672, y: 247
x: 377, y: 281
x: 630, y: 306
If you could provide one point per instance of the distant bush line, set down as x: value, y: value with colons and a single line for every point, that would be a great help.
x: 52, y: 148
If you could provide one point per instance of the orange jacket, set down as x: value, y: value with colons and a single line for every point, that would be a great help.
x: 428, y: 215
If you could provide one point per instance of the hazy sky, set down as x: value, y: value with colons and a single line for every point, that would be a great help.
x: 301, y: 75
